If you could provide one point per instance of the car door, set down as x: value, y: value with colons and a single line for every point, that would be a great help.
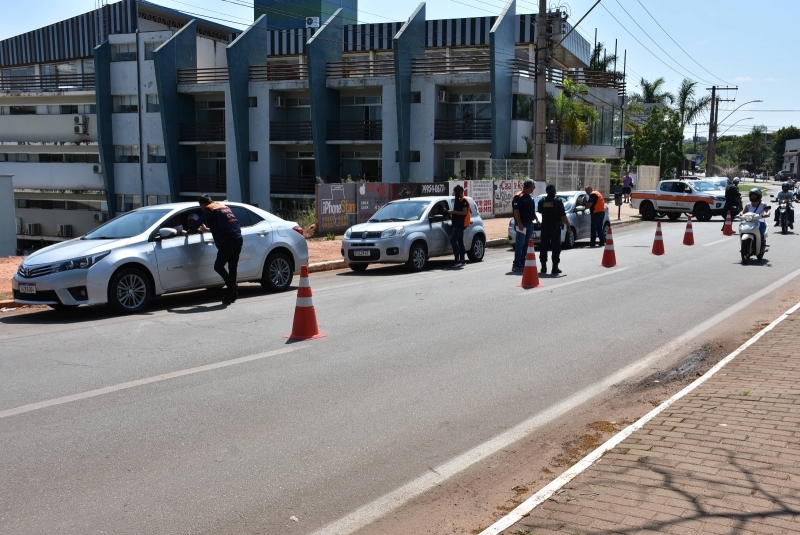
x: 582, y: 219
x: 684, y: 197
x: 256, y: 241
x: 666, y: 196
x: 185, y: 261
x: 440, y: 231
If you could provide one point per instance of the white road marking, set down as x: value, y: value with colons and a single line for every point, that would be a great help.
x: 727, y: 238
x: 146, y: 381
x: 528, y: 505
x: 576, y: 281
x: 376, y: 509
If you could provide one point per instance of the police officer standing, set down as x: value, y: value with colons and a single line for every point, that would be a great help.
x: 553, y: 216
x: 733, y: 199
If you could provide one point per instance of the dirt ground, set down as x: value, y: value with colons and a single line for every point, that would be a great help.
x: 8, y: 266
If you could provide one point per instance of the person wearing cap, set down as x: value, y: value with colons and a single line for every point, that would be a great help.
x: 733, y: 199
x: 524, y: 218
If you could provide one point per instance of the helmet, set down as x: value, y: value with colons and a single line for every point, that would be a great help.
x: 550, y: 189
x: 785, y: 186
x: 736, y: 180
x: 755, y: 194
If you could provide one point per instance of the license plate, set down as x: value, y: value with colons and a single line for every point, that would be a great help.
x: 361, y: 252
x: 27, y: 288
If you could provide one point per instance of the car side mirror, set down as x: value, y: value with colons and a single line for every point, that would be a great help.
x: 165, y: 233
x: 438, y: 218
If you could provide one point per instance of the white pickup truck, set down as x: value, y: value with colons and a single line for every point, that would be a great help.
x: 675, y: 197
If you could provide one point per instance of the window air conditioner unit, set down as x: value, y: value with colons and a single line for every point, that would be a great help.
x: 280, y: 102
x: 79, y: 119
x: 80, y: 129
x: 34, y: 229
x: 312, y: 22
x: 443, y: 97
x: 96, y: 169
x: 65, y: 231
x: 101, y: 216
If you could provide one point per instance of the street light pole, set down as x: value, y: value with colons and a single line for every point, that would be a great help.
x: 661, y: 146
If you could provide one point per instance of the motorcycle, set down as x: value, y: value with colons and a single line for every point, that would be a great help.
x: 750, y: 237
x: 783, y: 216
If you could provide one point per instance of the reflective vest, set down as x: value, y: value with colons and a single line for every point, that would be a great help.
x: 600, y: 205
x: 467, y: 219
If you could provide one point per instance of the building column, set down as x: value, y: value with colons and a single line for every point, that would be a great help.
x: 179, y: 52
x: 323, y: 48
x: 408, y: 44
x: 501, y: 53
x: 105, y: 107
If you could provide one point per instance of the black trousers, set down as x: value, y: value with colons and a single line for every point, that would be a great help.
x: 228, y: 253
x: 457, y: 241
x: 551, y: 241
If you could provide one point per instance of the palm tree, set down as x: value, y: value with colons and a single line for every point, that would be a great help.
x: 600, y: 61
x: 688, y: 107
x: 571, y: 115
x: 652, y: 93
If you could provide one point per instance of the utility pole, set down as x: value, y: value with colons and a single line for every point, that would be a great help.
x: 540, y: 154
x: 712, y: 122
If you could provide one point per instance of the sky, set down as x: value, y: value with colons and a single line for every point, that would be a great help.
x: 726, y: 43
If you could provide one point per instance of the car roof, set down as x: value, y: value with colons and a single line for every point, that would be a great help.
x: 436, y: 198
x: 184, y: 205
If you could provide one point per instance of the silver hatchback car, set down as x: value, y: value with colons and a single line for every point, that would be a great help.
x: 411, y: 231
x: 142, y: 254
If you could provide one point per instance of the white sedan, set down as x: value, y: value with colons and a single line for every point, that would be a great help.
x: 142, y: 254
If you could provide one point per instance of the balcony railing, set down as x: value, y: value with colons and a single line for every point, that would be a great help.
x: 290, y: 131
x: 457, y: 64
x: 355, y: 131
x: 54, y: 82
x: 361, y: 69
x: 292, y: 185
x: 202, y: 132
x: 279, y: 71
x: 463, y: 129
x: 202, y: 76
x: 590, y: 78
x: 335, y: 179
x: 204, y: 183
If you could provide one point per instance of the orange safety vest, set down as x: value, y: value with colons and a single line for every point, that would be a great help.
x: 600, y: 205
x: 467, y: 219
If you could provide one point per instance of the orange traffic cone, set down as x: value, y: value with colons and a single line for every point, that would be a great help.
x: 658, y: 243
x: 727, y: 230
x: 305, y: 317
x: 609, y: 258
x: 688, y: 236
x: 530, y: 275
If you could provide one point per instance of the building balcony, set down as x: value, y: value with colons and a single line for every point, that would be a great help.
x: 463, y: 129
x: 451, y: 65
x: 597, y: 79
x: 55, y: 82
x: 278, y: 72
x: 204, y: 183
x: 202, y: 76
x: 292, y: 185
x: 202, y: 133
x: 290, y: 131
x: 361, y: 69
x: 355, y: 131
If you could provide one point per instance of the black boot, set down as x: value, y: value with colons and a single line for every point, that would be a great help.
x: 555, y: 271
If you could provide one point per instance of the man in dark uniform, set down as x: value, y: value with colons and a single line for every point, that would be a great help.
x: 459, y: 215
x: 224, y: 227
x: 733, y: 199
x: 553, y: 216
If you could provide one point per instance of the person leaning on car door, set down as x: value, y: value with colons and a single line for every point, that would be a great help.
x: 597, y: 209
x: 224, y: 227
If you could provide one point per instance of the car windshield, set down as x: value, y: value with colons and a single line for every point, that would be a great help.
x: 400, y: 211
x: 702, y: 185
x: 127, y: 225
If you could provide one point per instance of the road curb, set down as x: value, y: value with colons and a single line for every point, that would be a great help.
x: 329, y: 265
x: 6, y: 304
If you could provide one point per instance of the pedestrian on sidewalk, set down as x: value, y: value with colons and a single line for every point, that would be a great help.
x: 597, y: 209
x: 627, y: 187
x: 553, y: 216
x: 460, y: 219
x: 524, y: 217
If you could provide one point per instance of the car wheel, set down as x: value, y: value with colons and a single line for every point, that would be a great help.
x: 570, y: 238
x: 358, y: 267
x: 673, y: 216
x: 277, y: 275
x: 647, y: 211
x: 702, y: 212
x: 129, y: 291
x: 478, y: 249
x: 417, y: 257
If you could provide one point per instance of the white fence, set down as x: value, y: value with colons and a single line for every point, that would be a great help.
x: 565, y: 174
x: 647, y: 177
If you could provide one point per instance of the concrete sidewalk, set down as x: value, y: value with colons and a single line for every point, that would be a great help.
x: 724, y: 458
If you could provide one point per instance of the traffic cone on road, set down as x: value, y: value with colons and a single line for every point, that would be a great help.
x: 530, y: 275
x: 727, y: 230
x: 609, y: 258
x: 688, y: 236
x: 658, y: 242
x: 305, y: 317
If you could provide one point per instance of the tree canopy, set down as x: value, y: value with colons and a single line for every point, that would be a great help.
x: 662, y: 130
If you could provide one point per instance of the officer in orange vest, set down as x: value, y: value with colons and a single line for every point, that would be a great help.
x: 597, y: 208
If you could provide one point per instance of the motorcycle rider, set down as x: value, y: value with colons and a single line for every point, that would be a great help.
x: 733, y: 199
x: 785, y: 195
x: 757, y: 207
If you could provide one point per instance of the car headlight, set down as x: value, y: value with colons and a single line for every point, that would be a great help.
x: 395, y: 231
x: 347, y: 234
x: 84, y: 262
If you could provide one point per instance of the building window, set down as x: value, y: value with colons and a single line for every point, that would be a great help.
x: 254, y: 102
x: 88, y: 66
x: 126, y: 153
x: 22, y: 110
x: 153, y: 106
x: 3, y: 157
x: 523, y: 108
x: 153, y: 200
x: 126, y: 203
x: 125, y: 104
x: 416, y: 97
x: 156, y: 154
x: 253, y: 155
x: 123, y: 52
x: 150, y: 48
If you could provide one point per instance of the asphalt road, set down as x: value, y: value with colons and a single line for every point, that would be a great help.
x: 149, y: 424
